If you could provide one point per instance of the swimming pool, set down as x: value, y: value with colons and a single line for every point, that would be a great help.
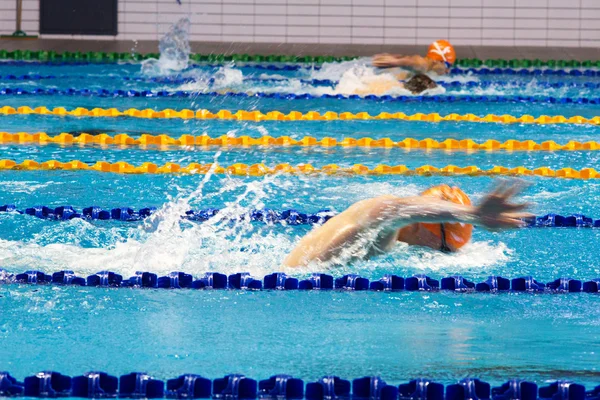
x: 308, y: 334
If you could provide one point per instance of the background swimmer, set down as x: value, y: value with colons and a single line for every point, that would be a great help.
x: 441, y: 218
x: 439, y: 58
x: 380, y: 85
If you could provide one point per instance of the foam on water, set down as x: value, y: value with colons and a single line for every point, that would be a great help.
x: 226, y: 78
x: 531, y: 89
x: 335, y: 71
x: 28, y: 187
x: 475, y: 255
x: 273, y: 76
x: 164, y: 242
x: 195, y: 251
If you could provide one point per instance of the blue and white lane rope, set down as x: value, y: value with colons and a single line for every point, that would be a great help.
x: 65, y: 213
x: 316, y: 281
x: 130, y: 93
x: 140, y: 385
x: 296, y: 67
x: 526, y: 71
x: 160, y: 80
x: 288, y: 217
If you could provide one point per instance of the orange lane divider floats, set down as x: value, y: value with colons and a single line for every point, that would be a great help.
x: 258, y: 116
x: 303, y: 169
x: 307, y: 141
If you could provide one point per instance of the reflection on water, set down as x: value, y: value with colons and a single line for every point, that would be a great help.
x: 443, y: 336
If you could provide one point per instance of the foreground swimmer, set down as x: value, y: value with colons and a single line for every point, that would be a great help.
x: 439, y: 58
x: 441, y: 218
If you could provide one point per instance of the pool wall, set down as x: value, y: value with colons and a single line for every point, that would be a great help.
x: 392, y: 22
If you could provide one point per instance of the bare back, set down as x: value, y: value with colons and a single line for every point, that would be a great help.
x: 342, y: 233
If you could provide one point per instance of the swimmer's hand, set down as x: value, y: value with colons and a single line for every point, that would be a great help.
x: 496, y: 211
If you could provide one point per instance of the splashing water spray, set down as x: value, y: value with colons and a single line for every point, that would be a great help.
x: 174, y: 51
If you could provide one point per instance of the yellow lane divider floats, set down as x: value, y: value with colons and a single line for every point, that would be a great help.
x: 304, y: 169
x: 295, y: 115
x: 307, y: 141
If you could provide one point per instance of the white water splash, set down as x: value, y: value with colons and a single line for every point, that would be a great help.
x: 28, y: 187
x: 226, y: 78
x: 174, y: 50
x: 165, y: 243
x: 475, y: 255
x: 273, y: 76
x: 335, y: 71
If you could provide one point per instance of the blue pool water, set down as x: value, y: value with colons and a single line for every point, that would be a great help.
x: 399, y: 335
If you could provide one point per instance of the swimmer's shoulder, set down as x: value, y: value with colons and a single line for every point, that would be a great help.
x: 365, y: 210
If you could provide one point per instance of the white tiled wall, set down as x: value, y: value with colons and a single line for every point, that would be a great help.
x: 573, y: 23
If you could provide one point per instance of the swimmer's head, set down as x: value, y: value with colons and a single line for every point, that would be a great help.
x: 419, y: 83
x: 442, y: 50
x: 447, y: 237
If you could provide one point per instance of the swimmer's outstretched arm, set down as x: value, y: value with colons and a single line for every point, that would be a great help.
x: 494, y: 212
x: 381, y: 217
x: 415, y: 62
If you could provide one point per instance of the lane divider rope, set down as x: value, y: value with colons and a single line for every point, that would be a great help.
x: 257, y: 116
x: 315, y: 66
x: 525, y: 72
x: 316, y: 281
x: 269, y: 216
x: 123, y: 139
x: 160, y: 79
x: 304, y: 96
x: 513, y: 84
x: 66, y: 213
x: 141, y: 385
x: 300, y: 169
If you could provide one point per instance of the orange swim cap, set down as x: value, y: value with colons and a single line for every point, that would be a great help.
x: 441, y: 50
x: 456, y: 234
